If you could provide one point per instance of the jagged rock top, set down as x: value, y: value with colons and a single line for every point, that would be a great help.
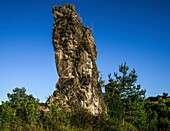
x: 64, y: 11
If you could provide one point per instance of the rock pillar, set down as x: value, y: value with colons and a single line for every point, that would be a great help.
x: 75, y: 55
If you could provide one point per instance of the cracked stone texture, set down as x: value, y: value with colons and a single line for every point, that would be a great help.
x: 75, y: 55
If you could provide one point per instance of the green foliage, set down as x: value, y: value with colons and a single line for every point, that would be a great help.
x: 22, y: 112
x: 158, y: 115
x: 164, y: 124
x: 114, y: 105
x: 125, y: 99
x: 152, y: 120
x: 6, y: 116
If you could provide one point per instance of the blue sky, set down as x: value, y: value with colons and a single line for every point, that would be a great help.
x: 133, y: 31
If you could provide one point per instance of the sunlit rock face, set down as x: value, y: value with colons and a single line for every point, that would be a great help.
x: 75, y: 55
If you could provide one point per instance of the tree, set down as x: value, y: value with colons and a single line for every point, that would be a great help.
x: 125, y: 99
x: 7, y: 117
x: 165, y: 95
x: 114, y: 105
x: 19, y: 96
x: 24, y: 108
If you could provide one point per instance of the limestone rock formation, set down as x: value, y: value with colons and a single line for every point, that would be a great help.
x: 75, y: 55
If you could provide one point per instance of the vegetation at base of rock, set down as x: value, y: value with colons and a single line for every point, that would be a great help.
x: 127, y: 110
x: 22, y: 113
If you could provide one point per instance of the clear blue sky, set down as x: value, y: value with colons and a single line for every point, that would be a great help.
x: 132, y: 31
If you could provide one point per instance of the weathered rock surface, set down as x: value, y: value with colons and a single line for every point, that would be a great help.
x: 75, y: 54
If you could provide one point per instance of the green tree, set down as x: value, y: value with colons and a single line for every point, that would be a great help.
x: 20, y: 111
x: 158, y: 115
x: 114, y: 105
x: 125, y: 99
x: 7, y: 116
x: 152, y: 116
x: 19, y: 96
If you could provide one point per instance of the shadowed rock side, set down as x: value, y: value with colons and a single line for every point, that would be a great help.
x: 75, y: 55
